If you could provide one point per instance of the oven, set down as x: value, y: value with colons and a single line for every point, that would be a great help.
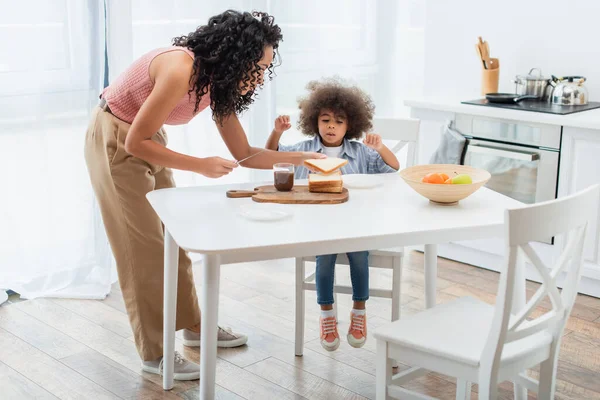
x: 523, y: 158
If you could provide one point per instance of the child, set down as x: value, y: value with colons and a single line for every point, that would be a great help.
x: 333, y: 114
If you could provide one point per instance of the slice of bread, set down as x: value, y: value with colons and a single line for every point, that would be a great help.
x: 326, y: 165
x: 328, y: 179
x: 327, y: 190
x: 319, y: 183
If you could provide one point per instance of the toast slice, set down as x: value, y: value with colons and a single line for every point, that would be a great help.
x: 326, y: 165
x: 327, y: 190
x: 332, y: 183
x: 335, y: 176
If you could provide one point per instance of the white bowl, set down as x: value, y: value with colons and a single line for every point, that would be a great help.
x: 447, y: 194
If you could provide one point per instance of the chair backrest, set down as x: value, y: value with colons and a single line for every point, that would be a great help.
x: 570, y: 216
x: 403, y: 130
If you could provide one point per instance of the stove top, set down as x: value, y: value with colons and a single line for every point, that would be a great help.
x: 536, y: 106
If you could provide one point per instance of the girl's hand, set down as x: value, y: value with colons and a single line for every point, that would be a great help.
x: 282, y: 123
x: 373, y: 141
x: 213, y: 167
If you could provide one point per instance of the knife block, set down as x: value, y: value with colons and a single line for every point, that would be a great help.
x: 489, y: 80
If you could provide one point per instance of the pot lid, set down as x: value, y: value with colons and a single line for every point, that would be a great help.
x: 535, y: 74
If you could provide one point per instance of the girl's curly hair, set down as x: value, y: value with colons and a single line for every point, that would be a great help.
x: 332, y: 94
x: 226, y: 52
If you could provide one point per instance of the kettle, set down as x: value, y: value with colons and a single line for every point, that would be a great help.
x: 569, y: 91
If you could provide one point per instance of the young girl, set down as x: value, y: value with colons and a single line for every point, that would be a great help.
x: 339, y: 114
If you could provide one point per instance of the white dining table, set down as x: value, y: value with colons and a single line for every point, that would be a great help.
x: 203, y: 220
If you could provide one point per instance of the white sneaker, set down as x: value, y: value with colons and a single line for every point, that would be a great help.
x: 225, y: 338
x: 184, y: 370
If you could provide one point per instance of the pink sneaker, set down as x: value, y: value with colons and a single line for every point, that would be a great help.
x: 357, y: 332
x: 330, y: 338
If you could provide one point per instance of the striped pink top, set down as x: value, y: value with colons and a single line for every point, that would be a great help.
x: 128, y: 92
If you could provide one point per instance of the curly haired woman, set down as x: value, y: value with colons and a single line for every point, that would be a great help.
x: 218, y: 66
x: 333, y: 114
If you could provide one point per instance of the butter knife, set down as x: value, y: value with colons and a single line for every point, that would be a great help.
x: 255, y: 154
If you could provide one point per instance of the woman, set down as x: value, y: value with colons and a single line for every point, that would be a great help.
x: 218, y: 66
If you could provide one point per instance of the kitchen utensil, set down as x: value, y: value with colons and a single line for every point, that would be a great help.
x: 485, y: 52
x: 552, y: 82
x: 264, y: 212
x: 534, y: 83
x: 255, y: 154
x: 298, y: 195
x: 445, y: 194
x: 570, y: 91
x: 478, y: 50
x: 494, y: 63
x: 507, y: 97
x: 362, y: 181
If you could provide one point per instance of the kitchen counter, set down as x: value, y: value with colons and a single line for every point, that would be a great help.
x: 575, y: 170
x: 586, y: 119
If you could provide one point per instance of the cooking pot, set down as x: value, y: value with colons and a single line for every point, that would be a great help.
x: 570, y: 91
x: 533, y: 84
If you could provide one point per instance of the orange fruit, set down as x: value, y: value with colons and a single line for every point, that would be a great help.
x: 433, y: 177
x: 444, y: 177
x: 448, y: 181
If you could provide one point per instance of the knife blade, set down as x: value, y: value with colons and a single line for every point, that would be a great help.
x: 255, y: 154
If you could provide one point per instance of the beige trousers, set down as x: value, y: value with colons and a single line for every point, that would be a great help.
x: 135, y: 232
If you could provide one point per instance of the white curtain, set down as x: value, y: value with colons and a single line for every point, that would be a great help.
x: 53, y: 241
x: 51, y: 70
x: 138, y: 26
x: 377, y: 45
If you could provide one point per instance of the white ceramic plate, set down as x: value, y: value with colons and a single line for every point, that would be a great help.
x: 264, y: 212
x: 362, y: 181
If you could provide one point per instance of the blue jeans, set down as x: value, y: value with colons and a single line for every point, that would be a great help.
x: 359, y: 274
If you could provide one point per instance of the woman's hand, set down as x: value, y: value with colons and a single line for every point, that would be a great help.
x: 308, y: 155
x: 311, y: 156
x: 282, y: 124
x: 213, y: 167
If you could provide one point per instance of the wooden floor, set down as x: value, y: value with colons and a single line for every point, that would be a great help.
x: 83, y: 349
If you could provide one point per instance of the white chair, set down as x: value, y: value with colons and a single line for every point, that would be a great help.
x: 406, y: 132
x: 476, y: 342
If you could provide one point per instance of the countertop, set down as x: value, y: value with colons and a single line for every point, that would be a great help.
x: 585, y: 119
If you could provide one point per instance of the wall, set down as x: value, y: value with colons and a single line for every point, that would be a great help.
x: 558, y: 37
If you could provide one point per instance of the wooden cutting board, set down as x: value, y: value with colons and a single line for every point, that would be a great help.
x: 298, y: 195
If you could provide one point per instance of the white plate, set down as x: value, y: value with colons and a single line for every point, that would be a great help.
x: 362, y: 181
x: 264, y: 212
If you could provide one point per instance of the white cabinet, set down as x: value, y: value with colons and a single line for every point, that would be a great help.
x: 580, y: 168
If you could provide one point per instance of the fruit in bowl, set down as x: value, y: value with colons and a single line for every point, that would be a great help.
x: 440, y: 177
x: 435, y: 177
x: 461, y: 181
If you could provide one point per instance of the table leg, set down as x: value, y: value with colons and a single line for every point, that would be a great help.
x: 169, y: 308
x: 211, y: 269
x: 430, y: 255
